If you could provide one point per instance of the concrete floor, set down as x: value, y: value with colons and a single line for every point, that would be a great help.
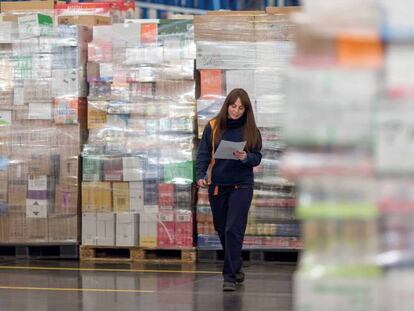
x: 74, y: 286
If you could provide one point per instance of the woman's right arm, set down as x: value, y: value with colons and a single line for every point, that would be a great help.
x: 203, y: 154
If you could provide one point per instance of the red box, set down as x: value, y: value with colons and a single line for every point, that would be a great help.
x: 166, y: 229
x: 183, y: 229
x: 166, y: 196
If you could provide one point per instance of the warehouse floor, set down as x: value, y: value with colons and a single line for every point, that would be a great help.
x: 71, y: 286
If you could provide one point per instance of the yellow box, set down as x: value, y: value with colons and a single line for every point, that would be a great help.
x: 120, y: 196
x: 97, y: 115
x: 88, y: 204
x: 103, y: 196
x: 150, y: 242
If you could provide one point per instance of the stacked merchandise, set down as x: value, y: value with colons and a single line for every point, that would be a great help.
x: 138, y: 164
x: 394, y: 155
x: 42, y: 120
x: 333, y: 101
x: 237, y: 50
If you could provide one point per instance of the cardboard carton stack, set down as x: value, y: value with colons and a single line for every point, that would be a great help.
x: 249, y: 51
x: 332, y: 126
x: 138, y: 163
x: 42, y: 119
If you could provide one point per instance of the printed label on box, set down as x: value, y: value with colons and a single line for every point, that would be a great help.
x: 40, y: 111
x: 37, y: 183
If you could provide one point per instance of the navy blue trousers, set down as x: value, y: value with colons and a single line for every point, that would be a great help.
x: 230, y: 207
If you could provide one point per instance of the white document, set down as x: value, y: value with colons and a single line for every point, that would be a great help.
x: 227, y: 148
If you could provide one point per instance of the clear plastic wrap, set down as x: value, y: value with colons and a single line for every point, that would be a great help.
x: 42, y: 125
x: 250, y: 52
x: 138, y: 166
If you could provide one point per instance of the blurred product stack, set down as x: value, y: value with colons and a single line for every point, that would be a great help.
x: 394, y: 154
x: 42, y: 122
x: 334, y: 90
x: 249, y: 51
x: 138, y: 174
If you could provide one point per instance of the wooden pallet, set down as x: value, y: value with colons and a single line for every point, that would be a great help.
x: 39, y: 251
x: 137, y: 254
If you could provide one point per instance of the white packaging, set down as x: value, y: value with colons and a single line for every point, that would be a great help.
x: 136, y: 196
x: 89, y: 229
x: 105, y: 223
x: 127, y: 229
x: 148, y: 224
x: 133, y: 168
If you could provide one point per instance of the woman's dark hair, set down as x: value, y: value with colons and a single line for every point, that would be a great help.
x: 250, y: 132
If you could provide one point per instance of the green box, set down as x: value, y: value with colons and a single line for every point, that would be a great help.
x: 180, y: 172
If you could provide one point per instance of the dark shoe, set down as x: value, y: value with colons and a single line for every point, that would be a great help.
x: 240, y: 276
x: 229, y: 286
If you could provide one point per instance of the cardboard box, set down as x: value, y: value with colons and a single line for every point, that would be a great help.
x: 36, y: 5
x: 136, y: 196
x: 103, y: 197
x: 127, y: 229
x: 44, y: 164
x: 179, y: 172
x: 166, y: 196
x: 183, y: 196
x: 85, y: 20
x: 89, y: 229
x: 63, y: 229
x: 112, y: 169
x: 133, y: 168
x: 37, y: 230
x: 148, y: 229
x: 34, y: 25
x: 17, y: 194
x: 105, y: 223
x: 92, y: 168
x: 166, y: 229
x: 38, y: 183
x: 120, y: 196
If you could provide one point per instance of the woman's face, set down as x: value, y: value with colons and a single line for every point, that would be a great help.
x: 236, y: 110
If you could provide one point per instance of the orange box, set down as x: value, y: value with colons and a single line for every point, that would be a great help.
x: 212, y: 83
x: 362, y: 51
x: 149, y: 33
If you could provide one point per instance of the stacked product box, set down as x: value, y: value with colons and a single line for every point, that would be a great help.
x: 334, y: 87
x: 394, y: 155
x: 236, y: 50
x: 138, y: 168
x: 42, y: 122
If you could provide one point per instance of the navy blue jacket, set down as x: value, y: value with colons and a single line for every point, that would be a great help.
x: 227, y: 172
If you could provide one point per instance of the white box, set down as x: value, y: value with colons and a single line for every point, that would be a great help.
x: 105, y: 223
x: 241, y: 79
x: 127, y: 229
x: 6, y: 32
x: 37, y: 183
x: 40, y: 111
x: 89, y: 229
x: 36, y: 208
x: 136, y: 196
x: 133, y: 168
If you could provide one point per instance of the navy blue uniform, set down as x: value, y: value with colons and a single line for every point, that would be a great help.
x: 230, y: 192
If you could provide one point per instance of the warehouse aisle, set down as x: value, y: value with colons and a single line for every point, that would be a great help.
x: 70, y: 286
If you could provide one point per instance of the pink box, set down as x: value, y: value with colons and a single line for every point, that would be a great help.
x: 166, y: 229
x: 183, y: 229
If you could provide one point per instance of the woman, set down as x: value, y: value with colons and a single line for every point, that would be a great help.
x: 230, y: 182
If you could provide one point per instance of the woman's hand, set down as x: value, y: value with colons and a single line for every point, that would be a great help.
x: 241, y: 155
x: 202, y: 183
